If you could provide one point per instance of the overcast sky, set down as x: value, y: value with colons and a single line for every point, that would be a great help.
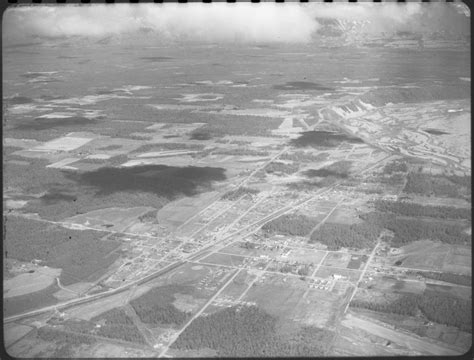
x: 288, y: 22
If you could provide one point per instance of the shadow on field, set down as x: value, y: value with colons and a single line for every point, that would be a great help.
x: 323, y: 138
x: 51, y: 123
x: 302, y: 85
x: 18, y: 100
x: 435, y: 132
x: 55, y: 195
x: 156, y: 58
x: 162, y: 180
x: 338, y: 169
x: 324, y: 173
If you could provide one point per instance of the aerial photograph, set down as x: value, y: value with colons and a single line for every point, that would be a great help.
x: 237, y: 180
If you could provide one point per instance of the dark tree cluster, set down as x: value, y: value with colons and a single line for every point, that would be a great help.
x: 247, y: 125
x: 381, y: 97
x: 249, y: 332
x: 48, y: 333
x: 413, y: 229
x: 290, y: 224
x: 238, y: 193
x: 435, y: 306
x: 116, y: 324
x: 168, y: 146
x: 302, y: 156
x: 199, y: 134
x: 280, y: 167
x: 248, y: 245
x: 447, y: 309
x: 149, y: 216
x: 79, y: 253
x: 412, y: 209
x: 404, y: 305
x: 287, y: 268
x: 358, y: 236
x: 304, y: 270
x: 394, y: 167
x: 241, y: 151
x: 156, y: 306
x: 305, y: 185
x: 460, y: 279
x: 449, y: 186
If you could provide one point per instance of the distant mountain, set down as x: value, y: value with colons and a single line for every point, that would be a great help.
x: 443, y: 27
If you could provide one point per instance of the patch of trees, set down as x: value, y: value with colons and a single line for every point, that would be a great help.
x: 290, y: 224
x: 448, y: 186
x: 111, y: 147
x: 39, y: 124
x: 117, y: 324
x: 240, y: 152
x: 238, y: 193
x: 404, y: 305
x: 409, y: 230
x: 357, y: 236
x: 168, y: 146
x: 248, y: 245
x: 250, y: 332
x: 246, y: 125
x: 464, y: 181
x: 156, y: 306
x: 446, y: 309
x: 304, y: 270
x: 200, y: 135
x: 50, y: 334
x: 304, y: 185
x: 117, y: 160
x: 149, y: 216
x: 459, y: 279
x: 286, y: 268
x: 239, y: 142
x: 435, y: 306
x: 81, y: 254
x: 412, y: 209
x: 280, y: 167
x: 395, y: 166
x: 303, y: 156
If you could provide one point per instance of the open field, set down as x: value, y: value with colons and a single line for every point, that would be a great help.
x: 418, y: 346
x: 29, y: 282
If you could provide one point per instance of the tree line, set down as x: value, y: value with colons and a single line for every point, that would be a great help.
x: 412, y: 209
x: 249, y: 332
x: 435, y: 306
x: 156, y: 306
x: 238, y: 193
x: 450, y: 186
x: 290, y: 224
x: 409, y: 230
x: 357, y: 236
x: 395, y: 166
x: 460, y: 279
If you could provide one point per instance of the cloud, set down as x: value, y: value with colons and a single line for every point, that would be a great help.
x: 239, y: 22
x: 208, y: 22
